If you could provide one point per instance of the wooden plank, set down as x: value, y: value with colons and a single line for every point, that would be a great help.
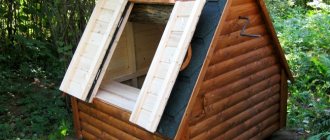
x: 236, y: 38
x: 123, y: 90
x: 237, y: 74
x: 271, y: 29
x: 88, y: 135
x: 267, y: 132
x: 111, y: 110
x: 242, y: 10
x: 122, y: 61
x: 116, y: 100
x: 77, y: 86
x: 238, y: 24
x: 262, y: 80
x: 163, y: 70
x: 151, y: 13
x: 115, y: 122
x: 231, y: 108
x: 113, y: 47
x: 146, y: 38
x: 240, y: 2
x: 223, y: 54
x: 236, y: 62
x: 118, y: 94
x: 105, y: 127
x: 284, y: 99
x: 214, y: 126
x: 96, y: 132
x: 184, y: 125
x: 126, y: 77
x: 238, y: 125
x: 76, y: 120
x: 153, y: 1
x: 257, y: 128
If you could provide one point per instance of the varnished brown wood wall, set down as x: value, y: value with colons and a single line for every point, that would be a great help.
x: 102, y: 121
x: 239, y: 92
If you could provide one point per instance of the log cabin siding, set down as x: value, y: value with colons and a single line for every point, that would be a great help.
x: 102, y: 121
x: 240, y: 93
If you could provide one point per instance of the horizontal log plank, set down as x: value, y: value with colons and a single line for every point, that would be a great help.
x: 107, y: 128
x: 239, y: 49
x: 209, y: 129
x: 96, y: 132
x: 244, y: 9
x: 244, y: 83
x: 240, y: 2
x: 237, y: 74
x: 111, y: 110
x: 234, y: 99
x: 236, y: 62
x: 87, y: 135
x: 236, y: 38
x: 267, y: 132
x: 240, y: 125
x: 212, y: 110
x: 213, y: 97
x: 257, y: 128
x: 238, y: 24
x: 115, y: 122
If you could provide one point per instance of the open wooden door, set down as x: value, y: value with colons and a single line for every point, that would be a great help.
x: 95, y: 48
x: 166, y: 64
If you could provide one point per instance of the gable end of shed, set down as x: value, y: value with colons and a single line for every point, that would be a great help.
x: 241, y: 91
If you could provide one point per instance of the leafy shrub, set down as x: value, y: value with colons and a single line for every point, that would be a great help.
x: 305, y: 36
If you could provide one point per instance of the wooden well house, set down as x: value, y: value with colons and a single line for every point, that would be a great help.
x: 189, y: 69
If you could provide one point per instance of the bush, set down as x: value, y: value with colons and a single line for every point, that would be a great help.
x: 305, y: 36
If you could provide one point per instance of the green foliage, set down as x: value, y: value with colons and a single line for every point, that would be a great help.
x: 38, y: 37
x: 305, y: 36
x: 37, y: 40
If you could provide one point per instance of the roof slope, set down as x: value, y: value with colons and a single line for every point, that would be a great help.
x: 186, y: 80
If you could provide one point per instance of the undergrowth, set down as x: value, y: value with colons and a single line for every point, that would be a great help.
x: 305, y: 36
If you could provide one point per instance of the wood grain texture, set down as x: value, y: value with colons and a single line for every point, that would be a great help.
x: 183, y: 132
x: 151, y: 14
x: 76, y: 120
x: 272, y: 31
x: 284, y: 99
x: 219, y: 121
x: 88, y: 136
x: 91, y: 49
x: 257, y: 128
x: 153, y: 1
x: 267, y: 132
x: 234, y: 81
x: 99, y: 120
x: 166, y: 64
x: 96, y: 132
x: 236, y: 62
x: 237, y: 74
x: 242, y: 126
x: 239, y: 49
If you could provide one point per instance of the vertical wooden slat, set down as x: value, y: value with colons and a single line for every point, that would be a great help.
x: 183, y: 130
x: 76, y: 120
x: 284, y: 98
